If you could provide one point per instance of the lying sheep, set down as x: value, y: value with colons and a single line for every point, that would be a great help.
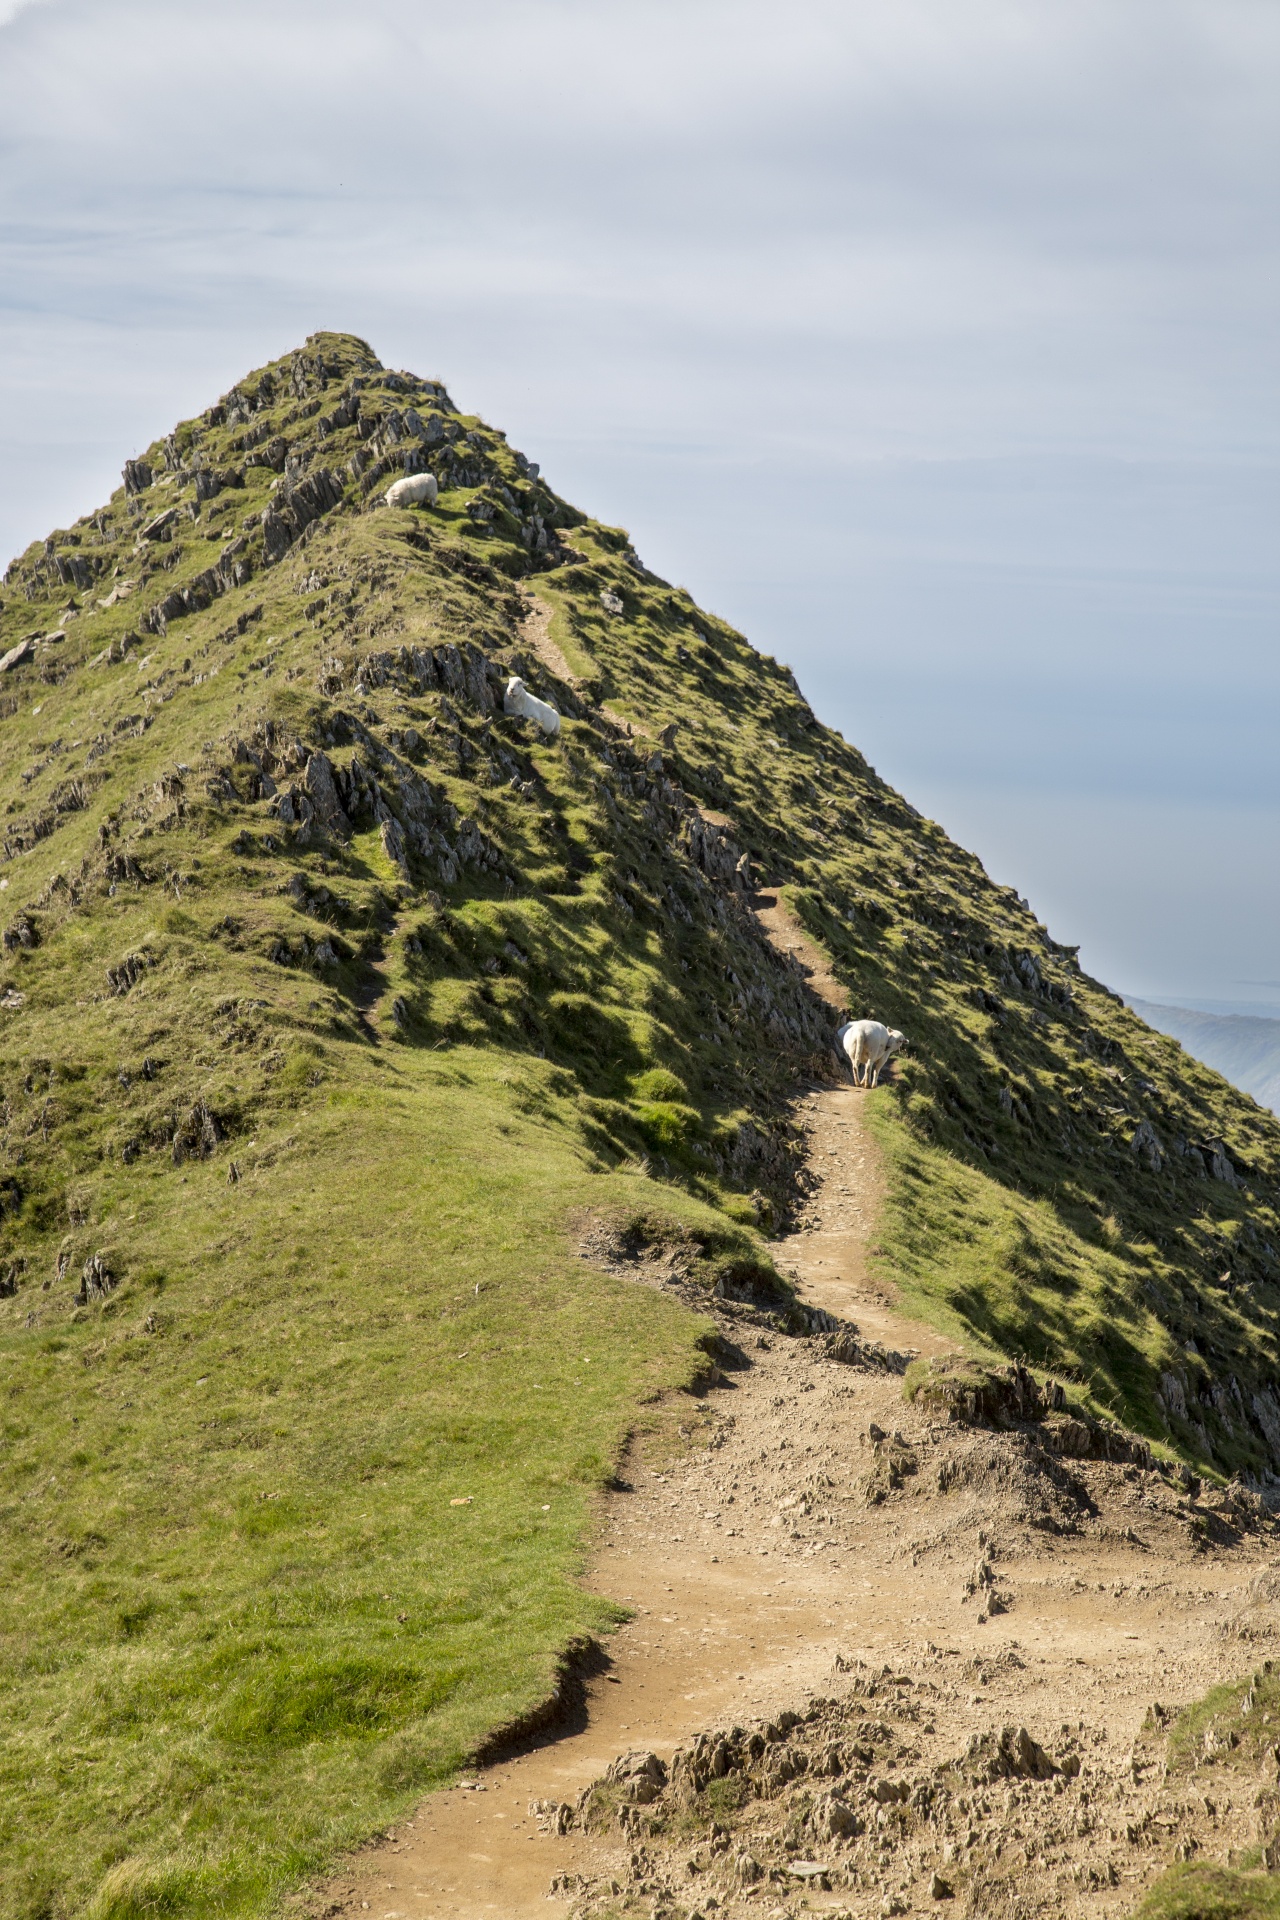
x: 518, y: 699
x: 415, y: 490
x: 867, y: 1045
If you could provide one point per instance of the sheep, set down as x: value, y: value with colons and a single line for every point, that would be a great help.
x: 518, y: 699
x: 867, y: 1045
x: 415, y: 490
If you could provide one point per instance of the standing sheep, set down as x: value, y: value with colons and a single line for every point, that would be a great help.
x: 867, y: 1045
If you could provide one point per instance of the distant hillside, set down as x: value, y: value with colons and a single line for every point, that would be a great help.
x: 1241, y: 1047
x: 335, y: 1000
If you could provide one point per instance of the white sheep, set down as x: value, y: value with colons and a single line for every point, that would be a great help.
x: 415, y: 490
x: 518, y: 699
x: 868, y: 1046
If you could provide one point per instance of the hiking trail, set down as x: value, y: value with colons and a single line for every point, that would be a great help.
x: 789, y: 1556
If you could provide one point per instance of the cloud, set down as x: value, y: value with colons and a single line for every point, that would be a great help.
x: 10, y: 9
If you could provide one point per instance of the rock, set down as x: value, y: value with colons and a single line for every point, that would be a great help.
x: 159, y: 528
x: 640, y: 1774
x: 1013, y: 1754
x: 1028, y: 972
x: 1219, y: 1164
x: 610, y: 601
x: 23, y: 932
x: 983, y: 1575
x: 893, y: 1460
x: 324, y: 794
x: 197, y: 1136
x: 835, y: 1819
x: 277, y: 535
x: 712, y: 849
x: 940, y: 1889
x: 1146, y: 1145
x: 273, y: 454
x: 137, y: 476
x: 554, y: 1816
x: 1174, y: 1395
x: 97, y: 1279
x: 16, y: 655
x: 127, y: 972
x: 392, y: 836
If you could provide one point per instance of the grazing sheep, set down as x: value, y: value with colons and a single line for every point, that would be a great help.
x: 415, y: 490
x: 867, y: 1045
x: 518, y: 699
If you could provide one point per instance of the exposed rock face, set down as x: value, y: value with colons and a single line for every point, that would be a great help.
x: 323, y: 791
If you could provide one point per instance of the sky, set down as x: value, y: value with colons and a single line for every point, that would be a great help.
x: 931, y: 342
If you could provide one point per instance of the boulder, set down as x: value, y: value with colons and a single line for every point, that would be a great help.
x: 16, y: 655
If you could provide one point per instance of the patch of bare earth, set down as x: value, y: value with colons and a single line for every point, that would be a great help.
x: 877, y: 1663
x: 535, y: 631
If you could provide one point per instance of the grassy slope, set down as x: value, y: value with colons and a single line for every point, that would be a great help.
x: 247, y: 1621
x: 1224, y: 1745
x: 1021, y: 1213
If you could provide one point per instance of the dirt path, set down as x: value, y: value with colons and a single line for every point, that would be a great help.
x: 535, y: 631
x: 816, y: 1533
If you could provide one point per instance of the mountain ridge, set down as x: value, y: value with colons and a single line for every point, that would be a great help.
x: 331, y: 992
x: 1243, y: 1048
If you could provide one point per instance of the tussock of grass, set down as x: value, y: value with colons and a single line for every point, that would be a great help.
x: 1231, y: 1730
x: 1193, y: 1892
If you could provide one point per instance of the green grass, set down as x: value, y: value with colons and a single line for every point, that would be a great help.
x: 1194, y: 1892
x: 246, y: 1623
x: 1225, y: 1742
x: 1014, y: 1276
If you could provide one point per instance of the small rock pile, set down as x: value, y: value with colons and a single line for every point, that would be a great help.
x: 839, y: 1797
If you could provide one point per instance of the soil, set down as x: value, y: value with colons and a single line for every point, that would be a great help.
x: 879, y: 1596
x: 535, y: 631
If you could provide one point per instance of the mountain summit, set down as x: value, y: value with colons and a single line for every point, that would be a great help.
x: 341, y: 1007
